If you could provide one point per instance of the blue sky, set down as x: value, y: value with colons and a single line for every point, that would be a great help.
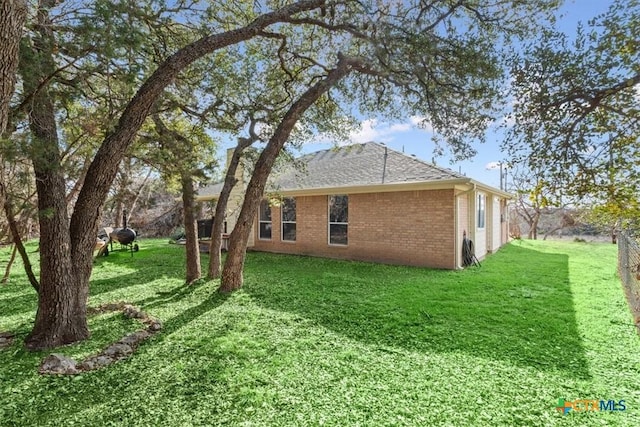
x: 406, y: 136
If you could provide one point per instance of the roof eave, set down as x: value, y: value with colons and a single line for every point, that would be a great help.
x: 442, y: 184
x: 377, y: 188
x: 490, y: 189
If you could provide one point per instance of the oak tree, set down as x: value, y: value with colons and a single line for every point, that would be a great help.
x: 575, y: 114
x: 437, y: 61
x: 66, y: 242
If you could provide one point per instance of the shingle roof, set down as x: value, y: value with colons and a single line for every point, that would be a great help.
x: 358, y: 164
x: 210, y: 191
x: 351, y: 165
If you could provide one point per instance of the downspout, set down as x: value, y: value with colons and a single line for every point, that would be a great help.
x: 457, y: 245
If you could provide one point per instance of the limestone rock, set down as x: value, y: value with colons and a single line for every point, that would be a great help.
x: 86, y: 365
x: 102, y: 361
x: 155, y: 326
x: 118, y: 350
x: 114, y: 306
x: 135, y: 338
x: 132, y: 312
x: 58, y: 364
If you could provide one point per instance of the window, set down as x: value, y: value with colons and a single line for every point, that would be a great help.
x: 264, y: 231
x: 338, y: 220
x: 480, y: 208
x: 288, y: 209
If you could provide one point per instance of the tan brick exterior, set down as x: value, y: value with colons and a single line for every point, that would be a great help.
x: 408, y: 228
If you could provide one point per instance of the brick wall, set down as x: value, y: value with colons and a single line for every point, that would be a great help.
x: 408, y: 228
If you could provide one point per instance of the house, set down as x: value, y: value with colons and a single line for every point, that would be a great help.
x: 368, y: 202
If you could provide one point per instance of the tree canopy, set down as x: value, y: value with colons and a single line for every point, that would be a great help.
x: 576, y: 116
x: 311, y: 60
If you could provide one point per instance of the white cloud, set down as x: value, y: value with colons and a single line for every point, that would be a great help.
x: 264, y: 130
x: 421, y: 122
x: 372, y: 130
x: 492, y: 165
x: 400, y: 127
x: 367, y: 132
x: 416, y: 120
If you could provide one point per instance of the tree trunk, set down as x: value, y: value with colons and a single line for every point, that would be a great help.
x: 614, y: 231
x: 190, y: 230
x: 122, y: 183
x: 7, y: 270
x: 17, y: 239
x: 232, y: 278
x: 184, y: 169
x: 101, y: 173
x: 137, y: 193
x: 221, y: 208
x: 66, y: 247
x: 12, y: 17
x: 61, y: 316
x: 534, y: 227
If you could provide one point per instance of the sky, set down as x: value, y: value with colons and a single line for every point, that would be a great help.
x: 405, y: 136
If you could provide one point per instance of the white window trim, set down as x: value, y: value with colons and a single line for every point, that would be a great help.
x: 329, y: 223
x: 484, y: 211
x: 260, y: 222
x: 282, y: 222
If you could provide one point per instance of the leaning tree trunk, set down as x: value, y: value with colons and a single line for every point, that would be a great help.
x: 7, y: 270
x: 190, y: 230
x: 61, y: 316
x: 232, y: 278
x: 230, y: 181
x: 101, y: 173
x: 12, y: 17
x: 17, y: 239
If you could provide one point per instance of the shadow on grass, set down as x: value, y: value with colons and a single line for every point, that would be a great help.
x: 123, y: 281
x: 155, y: 260
x: 188, y: 315
x: 518, y: 307
x: 19, y: 304
x: 161, y: 298
x: 133, y: 382
x: 27, y: 302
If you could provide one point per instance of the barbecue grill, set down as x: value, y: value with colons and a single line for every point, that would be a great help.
x: 124, y: 236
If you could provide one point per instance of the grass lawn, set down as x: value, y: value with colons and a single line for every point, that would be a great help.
x: 321, y: 342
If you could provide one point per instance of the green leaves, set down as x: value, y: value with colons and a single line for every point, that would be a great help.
x: 576, y: 108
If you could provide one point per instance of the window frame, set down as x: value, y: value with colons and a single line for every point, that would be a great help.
x: 261, y: 221
x: 481, y: 211
x: 294, y: 222
x: 330, y: 223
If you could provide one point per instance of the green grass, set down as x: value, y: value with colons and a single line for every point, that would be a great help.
x: 321, y: 342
